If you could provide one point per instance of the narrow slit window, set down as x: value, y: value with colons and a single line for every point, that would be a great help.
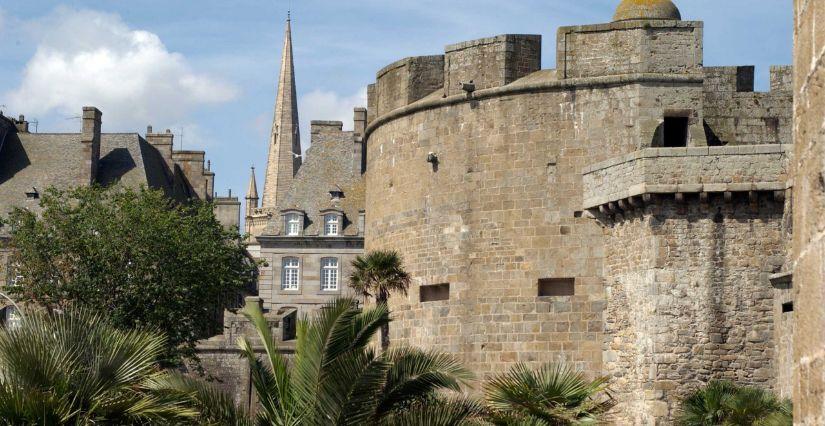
x: 676, y: 132
x: 548, y: 287
x: 434, y: 293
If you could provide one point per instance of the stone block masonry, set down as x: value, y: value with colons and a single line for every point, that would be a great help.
x: 670, y: 277
x: 688, y: 300
x: 808, y: 257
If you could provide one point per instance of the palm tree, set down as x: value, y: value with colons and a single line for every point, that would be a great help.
x: 379, y: 274
x: 336, y: 377
x: 725, y: 403
x: 552, y: 395
x: 75, y: 368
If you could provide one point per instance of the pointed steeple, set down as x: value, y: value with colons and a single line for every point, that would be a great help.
x: 251, y: 194
x: 284, y: 143
x: 252, y: 189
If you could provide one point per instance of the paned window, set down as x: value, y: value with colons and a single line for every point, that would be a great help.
x: 331, y: 224
x: 291, y: 273
x: 329, y: 274
x: 293, y: 225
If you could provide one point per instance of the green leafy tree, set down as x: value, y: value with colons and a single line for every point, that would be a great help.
x: 336, y: 378
x: 76, y: 368
x: 132, y: 255
x: 379, y: 274
x: 552, y: 395
x: 727, y: 404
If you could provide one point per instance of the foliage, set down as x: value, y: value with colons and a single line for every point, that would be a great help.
x: 551, y: 395
x: 132, y: 255
x: 378, y: 274
x: 336, y: 378
x: 76, y: 368
x: 727, y: 404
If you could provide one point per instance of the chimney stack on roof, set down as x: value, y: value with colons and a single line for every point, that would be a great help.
x: 90, y: 139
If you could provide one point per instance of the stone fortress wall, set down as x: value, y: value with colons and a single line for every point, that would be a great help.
x: 808, y: 256
x: 546, y: 215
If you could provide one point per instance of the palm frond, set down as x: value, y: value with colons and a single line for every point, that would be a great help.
x: 437, y: 412
x: 416, y: 373
x: 553, y: 394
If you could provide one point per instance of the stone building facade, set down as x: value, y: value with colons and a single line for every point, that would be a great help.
x: 308, y: 227
x: 808, y: 255
x: 627, y: 212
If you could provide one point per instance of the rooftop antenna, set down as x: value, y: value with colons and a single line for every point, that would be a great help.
x: 181, y: 137
x: 35, y: 122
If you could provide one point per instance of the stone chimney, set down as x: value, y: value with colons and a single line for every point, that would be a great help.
x: 90, y: 140
x: 360, y: 130
x: 163, y: 143
x: 21, y: 124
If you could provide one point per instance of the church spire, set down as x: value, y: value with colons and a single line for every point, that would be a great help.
x: 251, y: 194
x: 252, y: 189
x: 284, y: 143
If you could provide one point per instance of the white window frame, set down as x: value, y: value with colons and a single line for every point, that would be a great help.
x: 11, y: 318
x: 330, y: 274
x: 290, y: 274
x: 332, y: 224
x: 291, y: 219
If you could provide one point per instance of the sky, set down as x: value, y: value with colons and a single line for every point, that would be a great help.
x: 208, y: 70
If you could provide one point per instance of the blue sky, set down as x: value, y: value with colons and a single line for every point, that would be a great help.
x: 209, y: 68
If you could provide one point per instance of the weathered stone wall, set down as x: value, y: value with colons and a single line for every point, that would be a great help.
x: 809, y: 212
x: 687, y: 170
x: 736, y: 115
x: 228, y: 211
x: 222, y: 361
x: 629, y: 47
x: 491, y: 62
x: 190, y: 179
x: 408, y: 80
x: 688, y: 299
x: 499, y: 211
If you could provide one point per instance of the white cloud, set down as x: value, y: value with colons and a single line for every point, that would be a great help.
x: 327, y: 105
x: 87, y: 57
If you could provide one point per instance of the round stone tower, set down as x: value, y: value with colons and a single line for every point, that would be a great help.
x: 554, y: 215
x: 646, y: 9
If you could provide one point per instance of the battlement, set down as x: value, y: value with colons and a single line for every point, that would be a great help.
x: 626, y: 47
x: 486, y: 63
x: 491, y: 62
x: 406, y: 81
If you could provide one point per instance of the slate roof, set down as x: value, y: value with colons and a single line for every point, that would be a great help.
x: 43, y: 160
x: 328, y: 167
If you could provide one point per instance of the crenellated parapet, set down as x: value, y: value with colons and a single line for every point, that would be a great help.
x: 627, y: 47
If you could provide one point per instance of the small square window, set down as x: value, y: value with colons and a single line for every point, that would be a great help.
x: 676, y: 132
x: 434, y: 293
x: 787, y: 307
x: 549, y: 287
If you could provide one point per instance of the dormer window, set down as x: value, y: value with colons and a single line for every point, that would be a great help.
x: 332, y: 224
x: 292, y: 223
